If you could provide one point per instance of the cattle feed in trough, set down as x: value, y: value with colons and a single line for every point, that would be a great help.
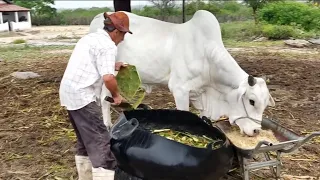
x: 190, y: 58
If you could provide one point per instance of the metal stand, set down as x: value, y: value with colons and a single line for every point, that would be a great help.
x: 291, y: 141
x: 274, y: 165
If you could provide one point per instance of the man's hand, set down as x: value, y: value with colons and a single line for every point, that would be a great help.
x: 112, y: 85
x: 119, y: 65
x: 117, y: 99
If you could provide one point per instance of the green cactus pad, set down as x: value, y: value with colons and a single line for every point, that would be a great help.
x: 129, y: 84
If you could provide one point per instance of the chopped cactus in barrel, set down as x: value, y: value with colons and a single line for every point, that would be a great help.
x: 188, y: 139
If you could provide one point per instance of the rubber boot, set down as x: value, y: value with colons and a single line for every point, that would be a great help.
x: 84, y: 167
x: 102, y: 174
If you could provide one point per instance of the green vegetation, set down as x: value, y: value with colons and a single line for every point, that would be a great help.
x: 241, y: 30
x: 19, y: 41
x: 300, y: 15
x: 277, y: 20
x: 248, y: 30
x: 256, y: 5
x: 40, y: 9
x: 79, y: 16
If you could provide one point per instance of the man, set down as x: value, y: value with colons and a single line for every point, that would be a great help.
x: 91, y: 65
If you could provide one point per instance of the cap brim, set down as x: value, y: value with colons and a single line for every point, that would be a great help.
x: 123, y: 29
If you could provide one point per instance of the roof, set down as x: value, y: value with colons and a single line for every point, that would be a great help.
x: 12, y: 8
x: 8, y: 1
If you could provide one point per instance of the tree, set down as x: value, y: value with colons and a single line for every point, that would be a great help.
x: 255, y: 5
x: 165, y: 7
x: 38, y: 7
x: 314, y: 1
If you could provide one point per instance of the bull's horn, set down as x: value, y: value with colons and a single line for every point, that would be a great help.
x: 251, y: 80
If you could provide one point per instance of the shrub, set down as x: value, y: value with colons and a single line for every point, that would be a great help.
x: 246, y: 30
x: 296, y: 14
x: 278, y: 31
x: 192, y: 7
x: 233, y: 11
x: 224, y: 10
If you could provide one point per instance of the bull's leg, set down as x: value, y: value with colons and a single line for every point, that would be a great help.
x: 181, y: 98
x: 105, y: 105
x: 180, y: 94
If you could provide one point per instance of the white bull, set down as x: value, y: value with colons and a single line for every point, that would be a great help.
x: 191, y: 59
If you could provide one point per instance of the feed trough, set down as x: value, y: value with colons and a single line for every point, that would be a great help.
x: 142, y: 154
x: 288, y: 141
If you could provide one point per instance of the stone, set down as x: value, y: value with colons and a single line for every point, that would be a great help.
x: 315, y: 41
x: 298, y: 43
x: 260, y: 39
x: 25, y: 75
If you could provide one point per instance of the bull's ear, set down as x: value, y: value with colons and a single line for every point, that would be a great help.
x: 240, y: 93
x: 105, y: 15
x: 271, y: 101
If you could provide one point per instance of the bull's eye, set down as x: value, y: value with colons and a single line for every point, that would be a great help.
x: 251, y: 102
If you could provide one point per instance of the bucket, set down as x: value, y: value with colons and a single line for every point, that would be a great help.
x: 140, y: 154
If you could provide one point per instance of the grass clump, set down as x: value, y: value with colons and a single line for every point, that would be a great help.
x: 19, y: 41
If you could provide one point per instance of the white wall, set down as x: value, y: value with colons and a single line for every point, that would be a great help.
x: 4, y: 27
x: 16, y: 25
x: 20, y: 25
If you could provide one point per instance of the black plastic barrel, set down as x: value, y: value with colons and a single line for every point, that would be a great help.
x: 143, y: 155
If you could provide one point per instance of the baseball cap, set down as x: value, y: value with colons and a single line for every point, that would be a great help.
x: 119, y: 20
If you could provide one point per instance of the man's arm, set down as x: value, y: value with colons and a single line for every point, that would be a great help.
x: 111, y: 84
x: 106, y: 68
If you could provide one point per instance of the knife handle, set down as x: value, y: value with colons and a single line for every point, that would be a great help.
x: 109, y: 99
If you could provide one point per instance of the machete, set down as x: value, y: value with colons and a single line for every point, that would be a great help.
x: 124, y: 105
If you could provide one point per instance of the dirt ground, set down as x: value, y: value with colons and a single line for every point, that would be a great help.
x: 37, y: 141
x: 44, y: 32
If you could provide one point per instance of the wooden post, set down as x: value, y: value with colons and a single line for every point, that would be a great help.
x: 122, y: 5
x: 29, y: 17
x: 183, y: 13
x: 1, y: 18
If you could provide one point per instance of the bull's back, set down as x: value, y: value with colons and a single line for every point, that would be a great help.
x: 149, y: 47
x: 206, y: 26
x: 155, y: 46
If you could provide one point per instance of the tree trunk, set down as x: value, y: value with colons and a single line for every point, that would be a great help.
x: 122, y: 5
x: 255, y: 15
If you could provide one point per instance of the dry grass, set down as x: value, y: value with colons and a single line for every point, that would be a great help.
x: 36, y: 136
